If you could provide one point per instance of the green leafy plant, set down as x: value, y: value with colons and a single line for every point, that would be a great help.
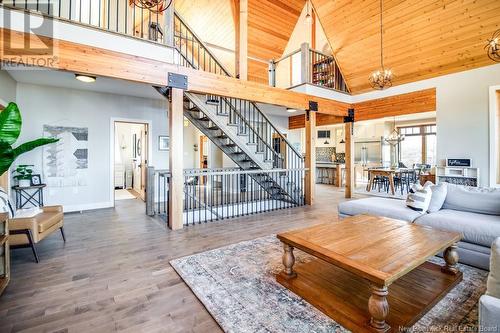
x: 23, y: 171
x: 10, y: 129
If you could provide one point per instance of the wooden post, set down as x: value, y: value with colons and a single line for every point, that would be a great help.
x: 176, y: 164
x: 242, y: 40
x: 272, y: 73
x: 169, y: 25
x: 349, y: 159
x: 305, y: 63
x: 310, y: 160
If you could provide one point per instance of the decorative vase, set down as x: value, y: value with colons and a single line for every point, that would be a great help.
x: 24, y: 183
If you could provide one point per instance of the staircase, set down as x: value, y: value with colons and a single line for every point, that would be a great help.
x: 237, y: 127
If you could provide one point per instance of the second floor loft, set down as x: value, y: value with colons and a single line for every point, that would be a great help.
x: 165, y: 34
x: 279, y: 43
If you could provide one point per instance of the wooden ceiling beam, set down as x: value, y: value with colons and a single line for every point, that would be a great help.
x: 392, y: 106
x: 90, y: 60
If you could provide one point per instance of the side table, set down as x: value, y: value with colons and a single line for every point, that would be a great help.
x: 29, y: 195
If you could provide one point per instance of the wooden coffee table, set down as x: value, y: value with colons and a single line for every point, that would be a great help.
x: 373, y: 274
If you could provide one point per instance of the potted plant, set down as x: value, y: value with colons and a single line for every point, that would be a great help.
x: 10, y: 129
x: 23, y: 175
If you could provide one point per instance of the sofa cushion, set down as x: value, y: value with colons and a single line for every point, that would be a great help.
x: 438, y: 197
x: 419, y: 198
x: 473, y: 199
x: 476, y: 228
x: 392, y: 208
x: 46, y: 220
x: 493, y: 284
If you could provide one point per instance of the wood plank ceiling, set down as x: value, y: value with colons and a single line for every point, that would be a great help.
x: 423, y: 38
x: 212, y: 21
x: 270, y: 25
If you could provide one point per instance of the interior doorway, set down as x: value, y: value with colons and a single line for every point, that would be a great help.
x: 131, y: 148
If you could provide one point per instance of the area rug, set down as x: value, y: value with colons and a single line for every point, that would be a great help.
x: 237, y: 286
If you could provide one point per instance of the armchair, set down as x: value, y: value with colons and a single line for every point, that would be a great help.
x: 26, y: 232
x: 489, y: 304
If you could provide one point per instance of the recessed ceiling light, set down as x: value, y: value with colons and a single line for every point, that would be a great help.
x: 85, y: 78
x: 290, y: 110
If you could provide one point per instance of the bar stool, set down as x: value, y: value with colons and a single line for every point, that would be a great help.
x: 322, y: 176
x: 331, y: 176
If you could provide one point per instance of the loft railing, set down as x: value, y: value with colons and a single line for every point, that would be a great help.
x: 325, y: 72
x: 223, y: 194
x: 120, y: 16
x: 306, y: 65
x: 194, y: 53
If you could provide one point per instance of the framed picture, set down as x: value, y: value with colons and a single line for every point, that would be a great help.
x: 36, y: 180
x: 163, y: 142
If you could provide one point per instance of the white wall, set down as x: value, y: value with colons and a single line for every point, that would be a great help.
x: 67, y: 107
x: 7, y: 88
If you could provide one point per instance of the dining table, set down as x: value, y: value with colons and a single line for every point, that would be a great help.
x: 382, y: 172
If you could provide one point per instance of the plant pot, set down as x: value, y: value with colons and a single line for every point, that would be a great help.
x: 24, y: 183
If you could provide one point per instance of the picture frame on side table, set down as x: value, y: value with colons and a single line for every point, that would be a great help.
x: 163, y: 143
x: 36, y: 180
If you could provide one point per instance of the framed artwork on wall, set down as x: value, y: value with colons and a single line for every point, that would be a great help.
x: 163, y: 143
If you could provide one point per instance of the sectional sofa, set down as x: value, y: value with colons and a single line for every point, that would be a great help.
x: 475, y: 212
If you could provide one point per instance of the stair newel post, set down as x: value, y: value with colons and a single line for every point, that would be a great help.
x: 310, y: 159
x: 177, y: 84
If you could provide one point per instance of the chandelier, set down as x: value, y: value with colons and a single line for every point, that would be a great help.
x: 395, y: 137
x: 493, y: 47
x: 382, y: 78
x: 156, y: 6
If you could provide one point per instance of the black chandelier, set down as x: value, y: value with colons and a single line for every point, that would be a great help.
x: 156, y: 6
x: 493, y: 47
x: 382, y: 78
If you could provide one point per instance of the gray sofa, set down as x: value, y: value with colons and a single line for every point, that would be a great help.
x: 475, y: 212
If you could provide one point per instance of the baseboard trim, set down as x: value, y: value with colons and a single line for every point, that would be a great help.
x: 91, y: 206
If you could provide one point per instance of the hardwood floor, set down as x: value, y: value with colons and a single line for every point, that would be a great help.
x: 113, y: 273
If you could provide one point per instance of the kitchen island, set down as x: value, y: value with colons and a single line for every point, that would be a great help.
x: 330, y: 173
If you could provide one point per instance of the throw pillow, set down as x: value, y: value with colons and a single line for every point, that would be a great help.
x: 419, y: 198
x: 5, y: 206
x: 438, y: 197
x: 493, y: 284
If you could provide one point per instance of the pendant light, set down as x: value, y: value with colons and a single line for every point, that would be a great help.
x: 395, y: 137
x: 155, y: 6
x: 493, y: 47
x: 381, y: 78
x: 308, y: 15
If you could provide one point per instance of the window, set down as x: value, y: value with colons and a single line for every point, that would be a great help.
x: 323, y: 134
x: 419, y: 145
